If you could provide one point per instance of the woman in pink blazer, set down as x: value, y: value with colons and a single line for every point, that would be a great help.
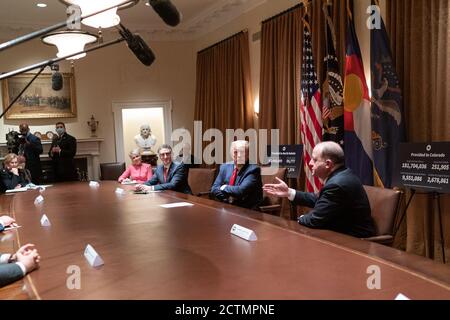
x: 137, y: 171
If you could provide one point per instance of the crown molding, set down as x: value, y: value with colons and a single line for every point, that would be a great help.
x: 206, y: 21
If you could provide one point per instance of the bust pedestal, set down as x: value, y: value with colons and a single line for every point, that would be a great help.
x: 150, y: 159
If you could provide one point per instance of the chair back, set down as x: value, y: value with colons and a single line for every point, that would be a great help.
x: 112, y: 170
x: 200, y: 180
x: 269, y: 177
x: 271, y: 204
x: 384, y: 204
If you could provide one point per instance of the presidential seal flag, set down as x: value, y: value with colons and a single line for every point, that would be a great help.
x: 357, y: 121
x: 333, y: 101
x: 388, y: 127
x: 310, y: 109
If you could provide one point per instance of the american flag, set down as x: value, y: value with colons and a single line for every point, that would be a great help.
x: 310, y: 109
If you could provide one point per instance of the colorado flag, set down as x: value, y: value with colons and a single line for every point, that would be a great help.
x: 357, y: 115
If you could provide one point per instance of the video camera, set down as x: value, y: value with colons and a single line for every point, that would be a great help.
x: 13, y: 140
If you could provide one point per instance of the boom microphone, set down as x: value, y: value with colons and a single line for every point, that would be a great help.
x: 167, y: 11
x: 138, y: 46
x: 57, y: 79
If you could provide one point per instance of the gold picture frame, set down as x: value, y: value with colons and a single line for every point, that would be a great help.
x: 39, y: 101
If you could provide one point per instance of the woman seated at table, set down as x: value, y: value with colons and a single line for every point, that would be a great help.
x: 138, y: 171
x: 10, y: 175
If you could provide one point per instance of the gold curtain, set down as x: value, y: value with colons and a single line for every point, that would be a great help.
x: 224, y: 93
x: 281, y: 58
x: 420, y: 38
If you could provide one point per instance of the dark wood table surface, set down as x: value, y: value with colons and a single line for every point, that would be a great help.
x: 152, y: 252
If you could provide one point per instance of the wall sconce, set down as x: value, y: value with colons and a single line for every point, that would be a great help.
x: 256, y: 106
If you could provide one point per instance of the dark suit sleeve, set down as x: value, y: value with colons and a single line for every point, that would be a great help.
x: 10, y: 181
x: 9, y: 272
x: 50, y: 154
x: 35, y: 145
x: 220, y: 180
x: 179, y: 176
x: 249, y: 183
x: 307, y: 199
x: 70, y: 149
x: 326, y: 207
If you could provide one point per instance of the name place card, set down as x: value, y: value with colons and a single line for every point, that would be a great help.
x: 38, y: 200
x: 120, y: 191
x: 243, y: 233
x: 401, y: 296
x: 92, y: 256
x: 45, y: 221
x: 94, y: 184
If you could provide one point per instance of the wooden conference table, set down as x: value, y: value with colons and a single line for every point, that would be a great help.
x: 151, y: 252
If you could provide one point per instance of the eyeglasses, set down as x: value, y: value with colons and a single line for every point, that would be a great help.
x: 135, y: 157
x: 166, y: 154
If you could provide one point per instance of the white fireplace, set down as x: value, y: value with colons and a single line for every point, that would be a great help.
x: 86, y: 148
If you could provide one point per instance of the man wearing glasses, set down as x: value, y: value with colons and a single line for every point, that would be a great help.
x: 168, y: 176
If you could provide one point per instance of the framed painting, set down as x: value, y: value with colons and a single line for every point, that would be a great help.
x: 39, y: 100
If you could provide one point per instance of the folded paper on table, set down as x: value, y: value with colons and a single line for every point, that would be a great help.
x: 17, y: 190
x: 177, y: 204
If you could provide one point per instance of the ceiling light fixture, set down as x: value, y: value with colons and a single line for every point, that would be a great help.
x: 41, y: 5
x: 69, y: 42
x: 102, y: 20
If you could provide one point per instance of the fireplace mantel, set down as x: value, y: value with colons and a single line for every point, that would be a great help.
x: 86, y: 148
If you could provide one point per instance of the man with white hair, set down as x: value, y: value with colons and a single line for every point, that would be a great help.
x: 342, y: 204
x: 239, y: 182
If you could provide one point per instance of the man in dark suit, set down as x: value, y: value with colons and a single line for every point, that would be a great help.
x: 342, y: 204
x: 168, y: 176
x: 239, y: 182
x: 62, y: 152
x: 30, y: 147
x: 15, y: 266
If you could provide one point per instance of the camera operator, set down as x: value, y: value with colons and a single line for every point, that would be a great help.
x: 30, y: 147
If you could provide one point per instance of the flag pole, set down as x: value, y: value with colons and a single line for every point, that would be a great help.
x: 306, y: 5
x: 349, y: 11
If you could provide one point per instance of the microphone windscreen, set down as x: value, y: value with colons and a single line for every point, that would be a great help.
x: 57, y: 81
x: 167, y: 11
x: 141, y: 50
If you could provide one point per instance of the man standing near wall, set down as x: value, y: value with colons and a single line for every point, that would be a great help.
x: 62, y: 153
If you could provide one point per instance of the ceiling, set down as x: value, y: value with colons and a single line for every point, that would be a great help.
x: 199, y: 17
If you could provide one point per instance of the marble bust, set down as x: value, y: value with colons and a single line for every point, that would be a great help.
x: 145, y: 140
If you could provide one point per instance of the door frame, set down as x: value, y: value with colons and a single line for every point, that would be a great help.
x: 117, y: 108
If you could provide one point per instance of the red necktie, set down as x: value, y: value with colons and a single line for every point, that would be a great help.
x: 165, y: 174
x: 233, y: 177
